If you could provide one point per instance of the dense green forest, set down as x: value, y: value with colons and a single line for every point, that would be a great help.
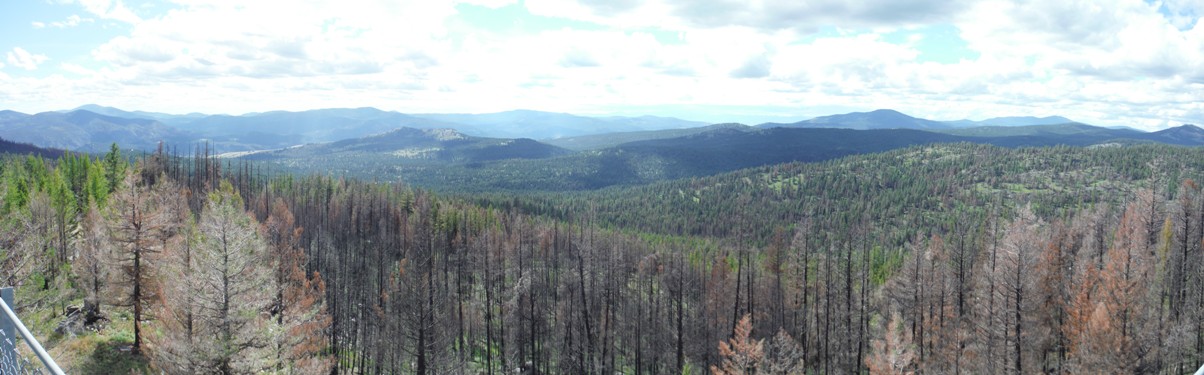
x: 896, y: 190
x: 944, y: 258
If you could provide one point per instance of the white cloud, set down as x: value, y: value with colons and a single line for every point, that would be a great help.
x: 578, y: 58
x: 760, y: 14
x: 1118, y: 39
x: 1184, y: 14
x: 21, y: 58
x: 756, y: 67
x: 1113, y: 62
x: 271, y: 39
x: 1077, y: 58
x: 110, y: 9
x: 76, y: 69
x: 71, y: 21
x: 489, y: 3
x: 1120, y: 61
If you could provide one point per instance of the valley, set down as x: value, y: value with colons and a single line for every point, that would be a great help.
x: 474, y: 254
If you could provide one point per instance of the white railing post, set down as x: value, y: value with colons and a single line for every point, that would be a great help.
x: 9, y: 344
x: 10, y: 322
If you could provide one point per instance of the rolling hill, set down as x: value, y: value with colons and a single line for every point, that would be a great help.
x: 725, y: 150
x: 461, y: 163
x: 1011, y: 121
x: 545, y: 125
x: 892, y: 119
x: 452, y: 161
x: 1076, y: 134
x: 167, y: 119
x: 1189, y: 135
x: 411, y: 146
x: 87, y: 131
x: 878, y: 119
x: 1075, y: 129
x: 911, y: 179
x: 280, y: 129
x: 14, y: 148
x: 7, y: 115
x: 599, y: 141
x: 612, y: 157
x: 272, y: 130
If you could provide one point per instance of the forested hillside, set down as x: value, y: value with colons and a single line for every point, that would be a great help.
x: 488, y: 165
x: 900, y: 189
x: 81, y: 130
x: 10, y: 147
x: 945, y: 258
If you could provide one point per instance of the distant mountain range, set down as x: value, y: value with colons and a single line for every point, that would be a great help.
x: 879, y: 119
x: 599, y: 141
x: 450, y: 160
x: 1011, y: 121
x: 891, y: 119
x: 93, y: 128
x: 499, y: 150
x: 1076, y: 134
x: 86, y: 131
x: 548, y: 125
x: 1187, y: 135
x: 271, y: 130
x: 447, y: 159
x: 1071, y: 133
x: 162, y: 117
x: 419, y: 147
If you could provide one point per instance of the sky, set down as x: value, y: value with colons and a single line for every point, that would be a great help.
x: 1130, y: 63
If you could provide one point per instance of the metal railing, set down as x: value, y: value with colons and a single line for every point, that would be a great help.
x: 12, y: 362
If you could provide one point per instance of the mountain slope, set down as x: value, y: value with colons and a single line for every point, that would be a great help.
x: 279, y: 129
x: 730, y: 149
x: 878, y: 119
x: 14, y: 148
x: 1075, y: 134
x: 1181, y: 135
x: 652, y: 122
x: 165, y: 118
x: 451, y: 163
x: 446, y: 164
x: 417, y: 147
x: 271, y: 130
x: 544, y: 125
x: 88, y: 131
x: 7, y: 115
x: 1070, y: 133
x: 599, y: 141
x: 911, y: 179
x: 1012, y: 121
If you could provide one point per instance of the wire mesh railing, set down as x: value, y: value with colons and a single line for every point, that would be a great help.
x: 11, y: 361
